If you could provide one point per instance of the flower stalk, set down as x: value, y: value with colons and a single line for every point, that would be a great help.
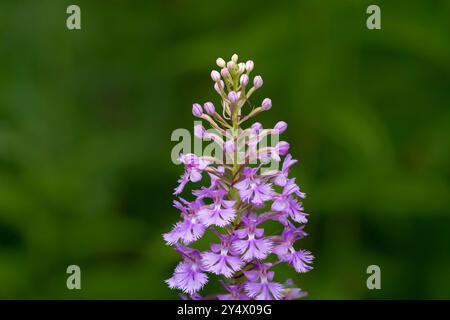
x: 235, y: 205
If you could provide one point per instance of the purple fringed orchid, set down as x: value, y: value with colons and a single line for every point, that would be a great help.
x: 190, y: 228
x: 260, y: 285
x: 254, y: 189
x: 189, y: 274
x: 222, y: 259
x: 242, y: 195
x: 252, y: 244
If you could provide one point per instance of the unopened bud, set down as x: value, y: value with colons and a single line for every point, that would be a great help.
x: 220, y: 63
x: 197, y: 110
x: 256, y: 127
x: 209, y: 108
x: 234, y: 58
x: 244, y: 80
x: 241, y: 67
x: 215, y: 76
x: 230, y: 65
x: 266, y: 104
x: 282, y: 147
x: 249, y: 65
x: 258, y: 82
x: 229, y: 146
x: 224, y: 72
x: 199, y: 131
x: 281, y: 126
x: 217, y: 87
x: 233, y: 97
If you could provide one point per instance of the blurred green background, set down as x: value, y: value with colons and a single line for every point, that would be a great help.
x: 86, y: 118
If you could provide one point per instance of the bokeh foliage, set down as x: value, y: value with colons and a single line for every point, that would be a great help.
x: 86, y: 118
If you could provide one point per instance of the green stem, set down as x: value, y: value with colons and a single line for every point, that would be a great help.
x: 236, y: 172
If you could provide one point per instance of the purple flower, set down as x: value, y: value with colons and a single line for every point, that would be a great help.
x: 222, y: 258
x: 295, y: 211
x: 252, y: 243
x: 281, y: 201
x: 239, y: 198
x: 229, y: 146
x: 190, y: 228
x: 235, y: 292
x: 260, y: 285
x: 301, y: 259
x: 220, y: 212
x: 281, y: 178
x: 289, y: 236
x: 216, y: 184
x: 280, y: 149
x: 254, y: 189
x: 292, y: 293
x: 189, y: 275
x: 194, y: 167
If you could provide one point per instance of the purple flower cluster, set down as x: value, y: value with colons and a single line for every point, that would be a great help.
x: 240, y: 198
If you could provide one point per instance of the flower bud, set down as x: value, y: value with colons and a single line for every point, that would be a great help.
x: 282, y: 147
x: 220, y: 63
x: 244, y: 80
x: 249, y: 65
x: 197, y: 110
x: 229, y: 146
x: 215, y: 76
x: 241, y: 67
x: 217, y: 88
x: 230, y: 65
x: 233, y: 97
x: 234, y: 58
x: 224, y: 72
x: 266, y: 104
x: 209, y: 108
x: 256, y: 127
x: 199, y: 131
x: 258, y: 82
x: 281, y: 126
